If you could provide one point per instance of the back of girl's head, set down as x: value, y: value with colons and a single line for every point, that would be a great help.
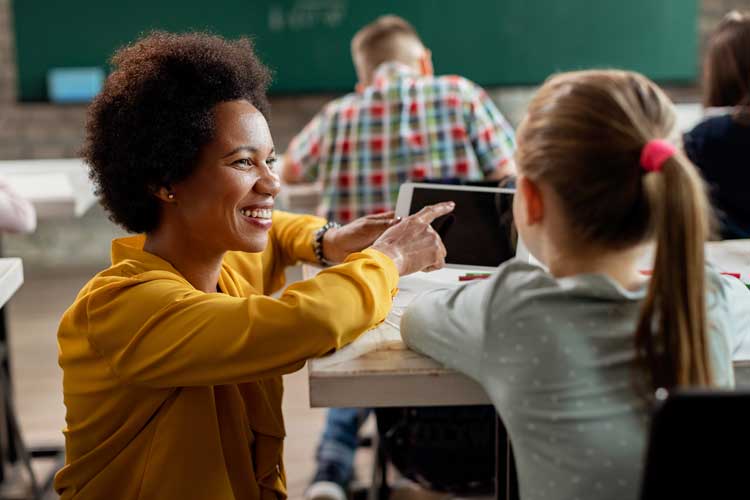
x: 726, y: 68
x: 583, y: 136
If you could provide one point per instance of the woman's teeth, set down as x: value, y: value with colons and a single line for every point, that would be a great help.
x: 258, y: 213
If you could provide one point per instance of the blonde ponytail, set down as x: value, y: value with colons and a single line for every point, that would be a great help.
x: 584, y: 135
x: 671, y: 335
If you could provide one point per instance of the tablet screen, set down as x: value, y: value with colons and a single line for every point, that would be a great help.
x: 479, y: 231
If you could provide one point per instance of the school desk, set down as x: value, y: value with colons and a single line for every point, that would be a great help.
x: 11, y: 279
x: 56, y: 188
x: 688, y: 115
x: 12, y: 446
x: 379, y: 370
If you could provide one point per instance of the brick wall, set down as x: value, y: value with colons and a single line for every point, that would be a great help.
x: 30, y: 131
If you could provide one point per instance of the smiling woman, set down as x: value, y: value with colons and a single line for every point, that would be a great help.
x: 172, y: 357
x: 227, y: 201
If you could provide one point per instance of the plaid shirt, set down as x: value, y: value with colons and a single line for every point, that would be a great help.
x: 404, y: 127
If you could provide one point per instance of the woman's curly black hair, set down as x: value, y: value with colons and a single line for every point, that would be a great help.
x: 145, y: 129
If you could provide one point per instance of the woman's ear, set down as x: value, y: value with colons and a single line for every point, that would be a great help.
x: 532, y: 195
x: 164, y: 193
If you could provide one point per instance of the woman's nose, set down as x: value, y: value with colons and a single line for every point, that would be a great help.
x: 269, y: 182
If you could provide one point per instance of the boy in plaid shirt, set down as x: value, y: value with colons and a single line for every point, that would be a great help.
x: 402, y: 124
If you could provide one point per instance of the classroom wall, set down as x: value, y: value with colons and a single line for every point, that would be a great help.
x: 49, y: 131
x: 30, y: 131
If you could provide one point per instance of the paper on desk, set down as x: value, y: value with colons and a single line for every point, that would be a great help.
x: 731, y: 256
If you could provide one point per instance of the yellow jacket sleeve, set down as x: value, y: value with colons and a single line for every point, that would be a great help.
x: 290, y: 241
x: 156, y: 330
x: 292, y: 237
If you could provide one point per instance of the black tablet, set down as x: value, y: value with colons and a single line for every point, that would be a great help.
x: 479, y: 232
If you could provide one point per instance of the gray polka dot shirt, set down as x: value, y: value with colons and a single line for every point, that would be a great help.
x: 556, y: 357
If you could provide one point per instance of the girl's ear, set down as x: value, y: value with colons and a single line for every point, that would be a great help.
x: 534, y: 205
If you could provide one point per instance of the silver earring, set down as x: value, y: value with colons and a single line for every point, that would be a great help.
x: 170, y: 196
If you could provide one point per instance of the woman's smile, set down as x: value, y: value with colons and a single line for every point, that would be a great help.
x: 227, y: 203
x: 258, y: 216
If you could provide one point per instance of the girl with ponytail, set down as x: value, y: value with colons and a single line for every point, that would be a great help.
x: 558, y: 349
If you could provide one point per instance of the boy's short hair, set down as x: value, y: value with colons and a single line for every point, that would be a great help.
x: 387, y: 38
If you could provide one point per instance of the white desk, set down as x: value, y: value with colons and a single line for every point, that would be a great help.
x: 378, y: 370
x: 688, y: 115
x: 11, y: 278
x: 56, y: 188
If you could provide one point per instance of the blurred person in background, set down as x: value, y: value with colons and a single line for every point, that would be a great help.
x: 718, y: 145
x: 402, y: 123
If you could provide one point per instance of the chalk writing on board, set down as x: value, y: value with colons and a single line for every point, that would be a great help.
x: 306, y: 14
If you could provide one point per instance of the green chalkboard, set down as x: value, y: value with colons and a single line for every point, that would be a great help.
x: 306, y: 42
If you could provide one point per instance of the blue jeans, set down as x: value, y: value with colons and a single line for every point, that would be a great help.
x: 335, y: 455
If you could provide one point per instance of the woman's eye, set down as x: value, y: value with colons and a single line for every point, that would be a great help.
x: 243, y: 162
x: 271, y: 162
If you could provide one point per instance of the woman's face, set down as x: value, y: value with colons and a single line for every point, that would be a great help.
x: 227, y: 203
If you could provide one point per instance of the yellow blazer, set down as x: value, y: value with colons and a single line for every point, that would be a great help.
x: 173, y: 393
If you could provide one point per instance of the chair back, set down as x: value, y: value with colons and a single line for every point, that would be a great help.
x: 698, y: 446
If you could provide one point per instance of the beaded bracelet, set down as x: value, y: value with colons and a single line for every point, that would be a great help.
x: 318, y: 243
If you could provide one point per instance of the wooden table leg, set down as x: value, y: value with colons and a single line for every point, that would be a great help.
x: 7, y: 446
x: 8, y: 450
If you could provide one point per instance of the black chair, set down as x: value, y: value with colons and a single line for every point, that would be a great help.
x: 698, y: 445
x: 462, y: 450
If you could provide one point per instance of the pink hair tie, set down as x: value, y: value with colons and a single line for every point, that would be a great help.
x: 655, y: 153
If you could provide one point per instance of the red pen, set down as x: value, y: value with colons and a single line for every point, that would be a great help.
x: 471, y: 277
